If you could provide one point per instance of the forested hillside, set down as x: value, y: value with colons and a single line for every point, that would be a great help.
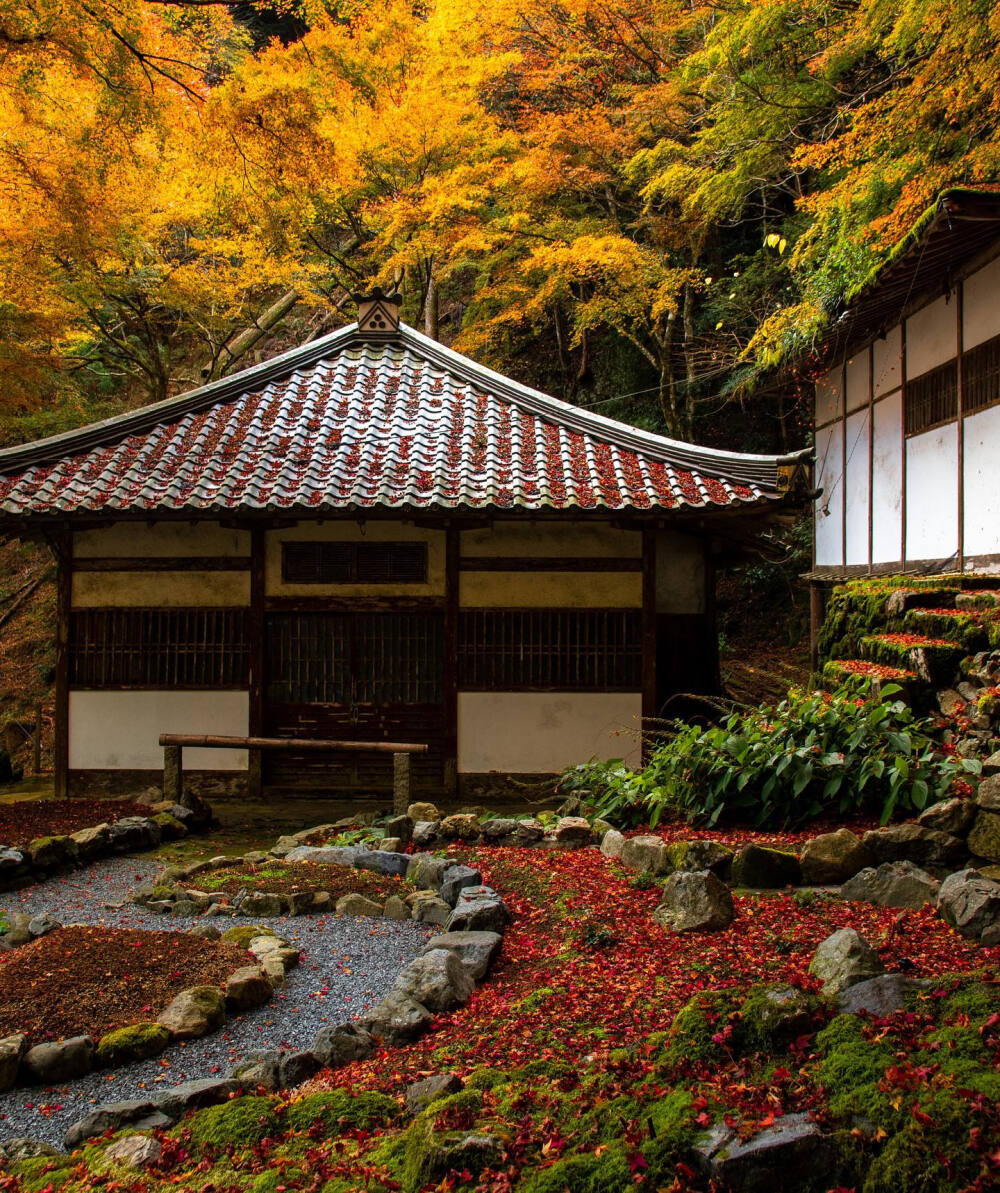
x: 638, y: 206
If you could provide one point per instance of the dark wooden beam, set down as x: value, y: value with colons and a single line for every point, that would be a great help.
x: 63, y: 548
x: 550, y: 563
x: 171, y: 563
x: 452, y: 580
x: 649, y: 689
x: 258, y: 581
x: 355, y: 604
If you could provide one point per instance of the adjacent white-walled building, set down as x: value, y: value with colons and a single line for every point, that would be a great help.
x: 372, y: 538
x: 907, y: 406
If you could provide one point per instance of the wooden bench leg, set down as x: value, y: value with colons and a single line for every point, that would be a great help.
x: 400, y: 783
x: 173, y: 774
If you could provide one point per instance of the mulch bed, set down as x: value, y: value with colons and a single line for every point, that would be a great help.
x: 89, y: 981
x: 294, y: 877
x: 23, y: 822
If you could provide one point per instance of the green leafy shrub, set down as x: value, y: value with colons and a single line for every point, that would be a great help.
x: 853, y: 751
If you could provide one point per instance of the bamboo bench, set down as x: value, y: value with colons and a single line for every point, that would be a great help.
x: 173, y: 757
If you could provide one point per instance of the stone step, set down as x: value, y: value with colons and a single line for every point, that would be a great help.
x: 934, y: 660
x: 972, y: 629
x: 986, y: 598
x: 840, y: 671
x: 901, y: 600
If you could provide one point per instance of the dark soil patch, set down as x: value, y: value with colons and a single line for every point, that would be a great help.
x: 23, y: 822
x: 289, y: 878
x: 89, y: 981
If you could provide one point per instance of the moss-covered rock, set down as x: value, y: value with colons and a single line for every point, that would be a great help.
x: 850, y: 1072
x: 240, y: 1122
x: 244, y: 934
x: 40, y: 1173
x: 771, y: 1017
x: 699, y: 855
x: 171, y: 829
x: 337, y: 1110
x: 50, y: 853
x: 429, y: 1143
x: 691, y: 1036
x: 607, y: 1173
x: 761, y: 867
x: 137, y: 1042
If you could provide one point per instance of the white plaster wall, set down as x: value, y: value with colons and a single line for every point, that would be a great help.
x: 931, y: 336
x: 121, y: 730
x: 887, y: 480
x: 982, y: 490
x: 886, y: 366
x: 141, y: 540
x: 932, y: 494
x: 829, y: 396
x: 981, y: 305
x: 857, y: 381
x: 830, y: 503
x: 543, y: 732
x: 857, y: 487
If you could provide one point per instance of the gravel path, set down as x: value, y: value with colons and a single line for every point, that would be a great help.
x: 348, y: 965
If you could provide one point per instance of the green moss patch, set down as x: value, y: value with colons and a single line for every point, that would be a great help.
x: 241, y: 1122
x: 339, y: 1110
x: 138, y: 1042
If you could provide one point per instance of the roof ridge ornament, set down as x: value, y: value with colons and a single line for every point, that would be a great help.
x: 378, y: 314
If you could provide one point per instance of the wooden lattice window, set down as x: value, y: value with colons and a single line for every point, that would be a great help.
x: 354, y: 563
x: 159, y: 648
x: 550, y: 650
x: 981, y: 376
x: 355, y: 658
x: 932, y: 398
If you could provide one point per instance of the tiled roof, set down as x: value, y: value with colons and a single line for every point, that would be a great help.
x: 347, y: 423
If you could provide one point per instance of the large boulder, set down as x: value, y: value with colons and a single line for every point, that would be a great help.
x: 92, y: 843
x: 893, y: 884
x: 397, y: 1019
x: 342, y: 1044
x: 498, y: 829
x: 647, y: 853
x: 952, y: 816
x: 760, y: 867
x: 479, y: 909
x: 462, y: 826
x: 382, y: 861
x: 476, y: 950
x: 694, y: 901
x: 456, y: 879
x: 247, y: 989
x: 772, y: 1161
x: 527, y: 832
x: 700, y: 855
x: 194, y: 1012
x: 135, y: 1151
x: 51, y: 853
x: 914, y: 843
x: 323, y: 855
x: 427, y: 871
x: 881, y: 996
x: 843, y: 960
x: 11, y: 1050
x: 133, y: 833
x: 263, y: 904
x: 422, y: 811
x: 988, y: 794
x: 437, y: 979
x: 195, y: 1095
x: 111, y: 1117
x: 612, y: 843
x: 59, y: 1061
x: 984, y: 836
x: 138, y: 1041
x: 970, y: 902
x: 573, y: 832
x: 355, y: 904
x: 833, y: 858
x: 421, y: 1093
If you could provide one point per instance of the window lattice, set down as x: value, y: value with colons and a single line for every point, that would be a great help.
x: 354, y: 563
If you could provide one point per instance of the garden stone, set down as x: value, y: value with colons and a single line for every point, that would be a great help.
x: 185, y: 907
x: 286, y: 956
x: 11, y: 1050
x: 760, y: 867
x: 300, y: 902
x: 456, y: 879
x: 772, y: 1161
x: 139, y: 1041
x: 315, y: 835
x: 573, y: 832
x: 429, y: 909
x: 186, y: 816
x: 425, y: 832
x: 954, y: 816
x: 135, y: 1151
x: 396, y: 909
x: 48, y: 853
x: 843, y: 960
x: 260, y: 1069
x: 473, y: 1153
x: 950, y: 702
x: 194, y: 1012
x: 13, y: 863
x: 991, y: 767
x: 391, y: 845
x: 988, y: 793
x: 879, y: 996
x: 422, y: 1093
x: 778, y: 1013
x: 382, y: 862
x: 970, y: 903
x: 397, y: 1019
x: 984, y: 837
x: 700, y: 855
x: 194, y: 1095
x: 437, y: 979
x: 893, y: 884
x: 328, y: 855
x: 694, y: 901
x: 296, y: 1067
x: 171, y: 829
x: 260, y: 903
x: 497, y: 828
x: 247, y: 989
x: 92, y: 843
x: 422, y: 811
x: 647, y: 853
x: 459, y: 827
x: 427, y: 871
x: 476, y: 950
x: 58, y: 1061
x: 134, y: 833
x: 42, y: 925
x: 833, y: 858
x: 340, y: 1045
x: 400, y: 827
x: 207, y: 931
x: 256, y: 857
x: 528, y: 832
x: 612, y: 843
x: 283, y: 847
x: 914, y: 843
x: 109, y: 1118
x: 355, y: 904
x: 23, y: 1147
x: 478, y: 912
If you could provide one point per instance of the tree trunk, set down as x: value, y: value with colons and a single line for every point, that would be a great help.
x: 431, y: 305
x: 231, y: 351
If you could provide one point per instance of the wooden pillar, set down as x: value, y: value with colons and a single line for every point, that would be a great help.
x: 711, y: 635
x: 173, y: 774
x: 902, y: 407
x: 452, y: 580
x: 817, y: 614
x: 400, y: 783
x: 256, y: 713
x: 871, y: 457
x: 63, y: 549
x: 650, y: 695
x: 960, y: 403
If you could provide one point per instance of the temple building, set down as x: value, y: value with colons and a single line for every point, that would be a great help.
x: 373, y: 538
